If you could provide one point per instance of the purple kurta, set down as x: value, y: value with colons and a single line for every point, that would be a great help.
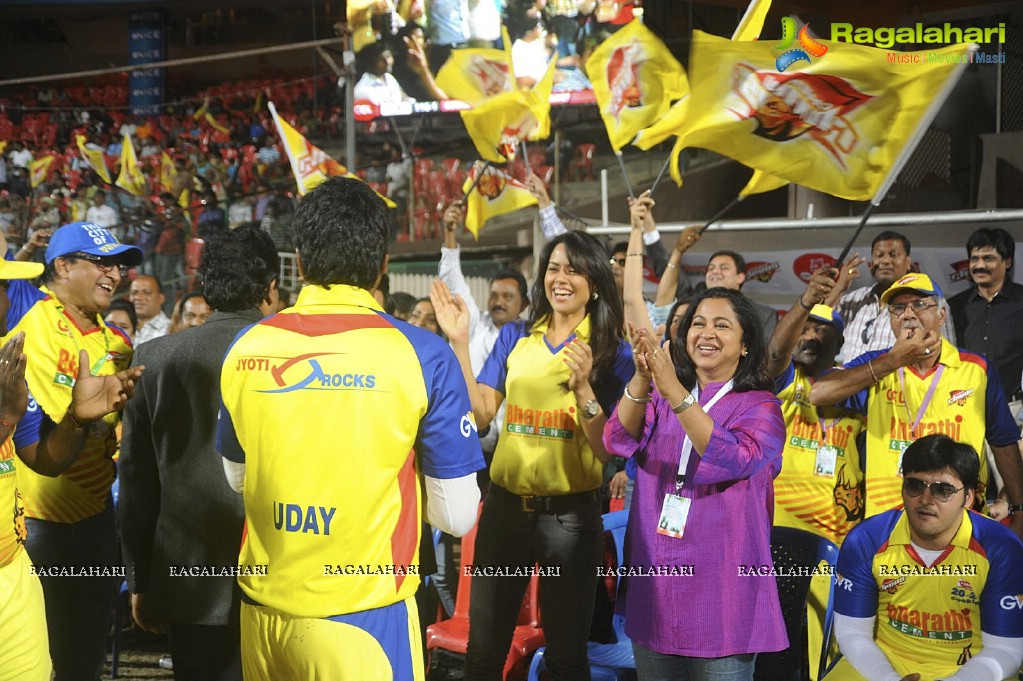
x: 717, y: 611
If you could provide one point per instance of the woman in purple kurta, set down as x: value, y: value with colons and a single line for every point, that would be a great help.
x: 711, y: 523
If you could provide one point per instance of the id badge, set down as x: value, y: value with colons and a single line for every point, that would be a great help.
x: 674, y: 514
x: 827, y: 458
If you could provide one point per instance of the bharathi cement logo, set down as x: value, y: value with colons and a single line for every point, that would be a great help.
x: 807, y: 46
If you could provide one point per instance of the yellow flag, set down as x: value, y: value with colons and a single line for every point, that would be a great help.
x: 168, y: 173
x: 201, y: 111
x: 752, y: 21
x: 473, y: 75
x: 635, y: 79
x: 39, y: 169
x: 94, y: 157
x: 216, y: 125
x: 259, y: 102
x: 3, y: 145
x: 310, y: 164
x: 761, y: 182
x: 539, y: 99
x: 498, y: 125
x: 664, y: 127
x: 130, y: 178
x: 496, y: 193
x: 842, y: 123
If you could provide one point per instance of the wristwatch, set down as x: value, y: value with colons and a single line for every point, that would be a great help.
x: 689, y: 401
x: 590, y: 409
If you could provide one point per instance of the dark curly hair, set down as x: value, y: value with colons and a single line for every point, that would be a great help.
x: 237, y: 267
x: 341, y: 234
x: 751, y: 373
x: 607, y: 318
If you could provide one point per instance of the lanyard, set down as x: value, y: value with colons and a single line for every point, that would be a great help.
x: 687, y: 444
x: 826, y: 426
x: 927, y: 397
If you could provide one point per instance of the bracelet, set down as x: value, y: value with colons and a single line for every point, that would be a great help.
x: 637, y: 400
x: 804, y: 305
x: 872, y: 374
x: 633, y: 255
x: 71, y: 415
x: 1015, y: 508
x: 25, y: 248
x: 672, y: 265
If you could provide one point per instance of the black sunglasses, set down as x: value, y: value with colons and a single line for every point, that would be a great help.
x: 942, y: 491
x: 102, y: 264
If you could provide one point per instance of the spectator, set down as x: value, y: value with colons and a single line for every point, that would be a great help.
x: 146, y: 294
x: 900, y: 404
x: 176, y: 509
x: 121, y: 313
x: 341, y: 233
x: 402, y: 303
x: 275, y: 227
x: 212, y: 220
x: 102, y: 214
x: 930, y: 591
x: 377, y: 85
x: 568, y: 360
x: 423, y: 316
x: 448, y: 29
x: 728, y: 269
x: 711, y: 402
x: 190, y: 311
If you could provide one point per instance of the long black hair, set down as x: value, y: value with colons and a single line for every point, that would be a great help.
x: 607, y: 318
x: 751, y: 373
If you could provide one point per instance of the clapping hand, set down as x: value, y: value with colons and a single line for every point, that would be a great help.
x: 93, y: 397
x: 451, y: 312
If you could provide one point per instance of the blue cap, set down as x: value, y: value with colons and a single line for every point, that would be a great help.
x: 90, y: 238
x: 823, y: 313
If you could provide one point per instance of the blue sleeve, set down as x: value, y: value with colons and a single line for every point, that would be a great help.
x: 30, y: 426
x: 495, y: 369
x: 1001, y: 427
x: 855, y: 585
x: 448, y: 444
x: 630, y: 467
x: 858, y: 401
x: 624, y: 366
x: 785, y: 379
x: 1001, y: 602
x: 227, y: 439
x: 23, y: 296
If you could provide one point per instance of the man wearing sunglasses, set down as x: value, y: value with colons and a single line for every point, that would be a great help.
x: 930, y: 591
x: 69, y: 516
x: 922, y: 385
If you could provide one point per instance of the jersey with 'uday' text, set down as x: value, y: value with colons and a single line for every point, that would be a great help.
x: 328, y: 404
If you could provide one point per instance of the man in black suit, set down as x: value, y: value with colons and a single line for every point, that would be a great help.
x: 180, y: 521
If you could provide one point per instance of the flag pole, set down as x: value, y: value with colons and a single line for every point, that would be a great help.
x: 721, y: 213
x: 625, y: 174
x: 475, y: 182
x: 525, y: 157
x: 859, y: 228
x: 660, y: 175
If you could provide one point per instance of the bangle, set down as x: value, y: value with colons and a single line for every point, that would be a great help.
x: 872, y: 374
x: 637, y: 400
x: 26, y: 249
x: 633, y: 255
x: 1015, y: 508
x: 804, y: 305
x: 71, y: 415
x: 672, y: 265
x: 688, y: 401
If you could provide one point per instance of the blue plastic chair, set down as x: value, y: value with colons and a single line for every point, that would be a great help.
x: 608, y: 661
x: 827, y: 552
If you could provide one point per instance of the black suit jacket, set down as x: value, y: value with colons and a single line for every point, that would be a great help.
x: 176, y: 508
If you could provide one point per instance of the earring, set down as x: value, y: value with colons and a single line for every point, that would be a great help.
x: 595, y: 296
x: 745, y: 352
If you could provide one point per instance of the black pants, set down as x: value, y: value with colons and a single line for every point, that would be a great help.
x: 203, y: 652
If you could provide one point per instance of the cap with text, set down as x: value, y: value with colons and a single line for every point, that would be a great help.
x: 823, y: 313
x: 90, y: 238
x: 914, y: 282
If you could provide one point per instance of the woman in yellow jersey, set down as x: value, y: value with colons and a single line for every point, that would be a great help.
x: 561, y: 373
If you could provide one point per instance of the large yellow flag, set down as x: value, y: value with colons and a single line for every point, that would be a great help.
x: 94, y: 157
x: 635, y: 79
x: 39, y: 170
x: 498, y: 125
x: 843, y: 123
x: 496, y: 193
x: 310, y: 164
x: 130, y: 178
x: 473, y: 75
x: 168, y: 173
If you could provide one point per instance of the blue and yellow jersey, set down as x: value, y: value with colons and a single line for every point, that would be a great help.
x: 12, y: 537
x: 52, y: 343
x: 542, y: 449
x: 929, y: 619
x: 968, y: 405
x: 328, y: 404
x: 820, y: 487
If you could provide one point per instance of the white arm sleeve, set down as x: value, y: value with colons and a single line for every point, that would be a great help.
x: 450, y: 272
x: 856, y: 639
x: 1000, y: 659
x: 550, y: 223
x: 235, y: 473
x: 451, y: 503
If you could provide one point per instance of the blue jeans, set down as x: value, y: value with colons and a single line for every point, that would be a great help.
x: 654, y: 666
x: 77, y: 608
x: 509, y: 537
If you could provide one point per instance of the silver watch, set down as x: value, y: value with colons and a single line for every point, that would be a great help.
x: 689, y: 401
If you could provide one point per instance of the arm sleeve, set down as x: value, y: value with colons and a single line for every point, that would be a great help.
x: 619, y: 442
x: 858, y: 401
x: 855, y: 586
x: 1000, y: 601
x: 235, y: 474
x: 999, y: 659
x: 451, y: 504
x: 856, y: 639
x: 450, y: 272
x: 29, y: 430
x: 550, y: 223
x: 227, y: 439
x: 750, y: 441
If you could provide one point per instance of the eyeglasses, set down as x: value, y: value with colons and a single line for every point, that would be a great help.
x: 102, y: 264
x: 898, y: 309
x: 617, y: 261
x: 942, y: 491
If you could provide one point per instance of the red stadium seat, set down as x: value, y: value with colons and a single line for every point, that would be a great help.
x: 583, y: 161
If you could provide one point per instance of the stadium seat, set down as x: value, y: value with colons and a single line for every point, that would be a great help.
x: 608, y: 661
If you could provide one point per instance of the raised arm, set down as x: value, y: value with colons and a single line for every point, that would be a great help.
x: 786, y: 334
x: 668, y: 285
x: 632, y: 278
x: 550, y: 223
x: 450, y: 269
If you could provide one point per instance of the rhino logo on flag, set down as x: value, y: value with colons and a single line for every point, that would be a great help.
x: 492, y: 76
x: 491, y: 185
x: 623, y: 79
x: 788, y: 106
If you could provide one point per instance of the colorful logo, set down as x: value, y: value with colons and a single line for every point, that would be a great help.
x: 623, y: 79
x: 788, y: 37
